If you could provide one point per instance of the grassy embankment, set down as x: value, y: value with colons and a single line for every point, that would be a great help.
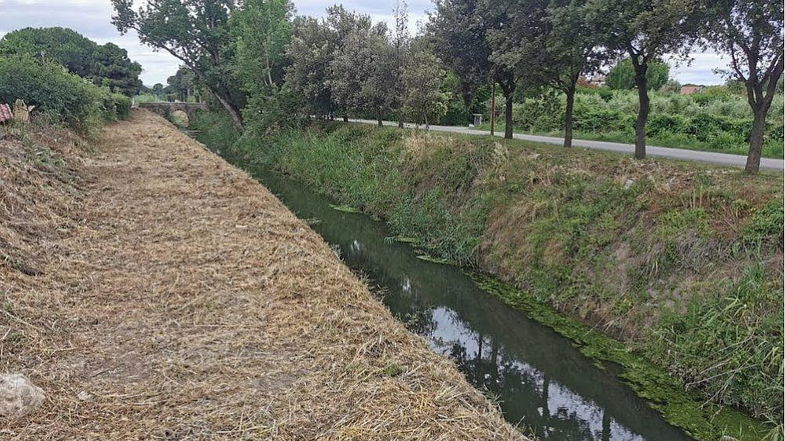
x: 681, y: 262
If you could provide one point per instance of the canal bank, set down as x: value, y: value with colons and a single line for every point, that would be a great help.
x: 167, y: 295
x: 356, y: 158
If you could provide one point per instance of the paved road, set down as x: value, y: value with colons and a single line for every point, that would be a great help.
x: 654, y: 151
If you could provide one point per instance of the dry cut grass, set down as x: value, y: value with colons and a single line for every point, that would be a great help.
x: 155, y: 292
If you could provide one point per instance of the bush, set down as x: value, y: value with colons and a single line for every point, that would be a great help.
x: 115, y: 106
x: 65, y: 97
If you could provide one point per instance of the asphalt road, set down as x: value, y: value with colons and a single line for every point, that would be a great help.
x: 653, y: 151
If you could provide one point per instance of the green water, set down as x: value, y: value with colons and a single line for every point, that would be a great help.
x: 543, y: 383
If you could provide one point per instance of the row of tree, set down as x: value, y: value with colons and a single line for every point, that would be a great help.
x: 261, y: 62
x: 105, y: 65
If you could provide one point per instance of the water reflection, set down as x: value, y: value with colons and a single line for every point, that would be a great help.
x: 540, y: 379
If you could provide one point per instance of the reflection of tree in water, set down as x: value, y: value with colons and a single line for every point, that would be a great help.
x: 485, y: 366
x: 419, y: 321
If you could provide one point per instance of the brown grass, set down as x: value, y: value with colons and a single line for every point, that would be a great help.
x: 175, y: 298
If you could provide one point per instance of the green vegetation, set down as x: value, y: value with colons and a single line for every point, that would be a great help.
x: 105, y: 66
x: 62, y: 96
x: 716, y: 120
x: 681, y: 262
x: 622, y: 75
x: 273, y: 70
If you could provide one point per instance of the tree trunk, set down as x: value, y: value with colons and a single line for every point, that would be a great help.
x: 568, y: 117
x: 508, y: 116
x: 346, y: 118
x: 379, y: 118
x: 756, y: 139
x: 643, y: 112
x: 237, y: 118
x: 493, y: 109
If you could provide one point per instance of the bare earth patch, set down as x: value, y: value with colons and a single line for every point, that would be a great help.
x: 167, y: 295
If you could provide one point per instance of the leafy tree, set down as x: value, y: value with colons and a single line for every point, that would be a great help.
x: 106, y: 65
x: 197, y: 33
x: 352, y: 62
x: 397, y: 64
x: 158, y: 90
x: 750, y: 31
x: 622, y: 75
x: 114, y: 70
x: 515, y: 36
x: 60, y: 45
x: 570, y: 49
x: 459, y: 35
x: 645, y: 30
x: 311, y: 51
x: 423, y: 79
x: 380, y: 91
x: 182, y: 85
x: 262, y: 30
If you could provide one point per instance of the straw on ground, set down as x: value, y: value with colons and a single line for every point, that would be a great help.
x: 155, y: 292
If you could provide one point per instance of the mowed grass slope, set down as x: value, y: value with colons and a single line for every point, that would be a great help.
x: 155, y: 292
x: 681, y: 261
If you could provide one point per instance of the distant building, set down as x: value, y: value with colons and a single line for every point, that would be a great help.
x: 596, y: 80
x: 689, y: 89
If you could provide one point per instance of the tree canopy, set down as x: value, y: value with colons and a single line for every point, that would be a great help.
x: 622, y: 75
x: 105, y: 65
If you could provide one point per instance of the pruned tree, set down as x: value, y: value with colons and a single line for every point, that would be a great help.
x: 646, y: 30
x: 751, y: 32
x: 197, y: 33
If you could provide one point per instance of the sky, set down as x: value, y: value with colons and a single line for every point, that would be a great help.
x: 92, y: 18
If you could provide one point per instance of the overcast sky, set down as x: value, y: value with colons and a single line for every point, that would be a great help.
x: 92, y: 19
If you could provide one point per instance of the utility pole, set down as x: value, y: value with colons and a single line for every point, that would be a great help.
x: 493, y: 109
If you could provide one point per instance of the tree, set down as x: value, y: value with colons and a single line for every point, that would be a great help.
x: 262, y: 30
x: 158, y: 90
x: 570, y: 49
x: 459, y: 35
x: 397, y: 65
x: 351, y: 62
x: 310, y: 52
x: 423, y: 79
x: 113, y: 69
x: 106, y: 65
x: 380, y: 91
x: 515, y: 36
x: 645, y: 30
x: 197, y: 33
x: 622, y: 75
x: 182, y: 84
x: 750, y: 31
x: 314, y: 46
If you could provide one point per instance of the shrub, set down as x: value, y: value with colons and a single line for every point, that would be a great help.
x: 64, y: 96
x: 115, y: 106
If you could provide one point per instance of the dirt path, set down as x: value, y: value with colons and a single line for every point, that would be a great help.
x: 185, y: 302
